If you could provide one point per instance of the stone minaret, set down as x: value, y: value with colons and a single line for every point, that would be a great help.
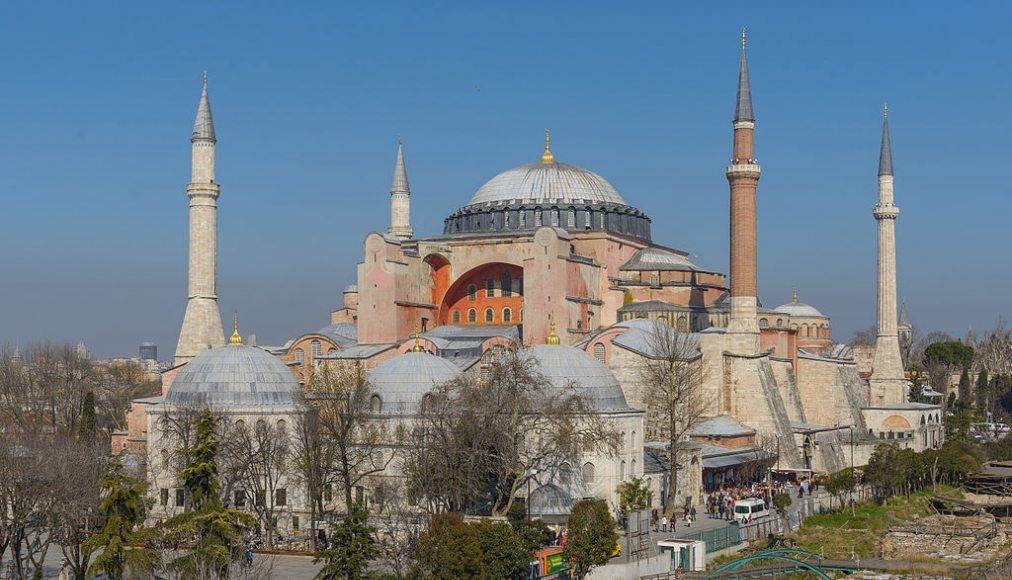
x: 400, y: 199
x: 887, y: 380
x: 202, y: 321
x: 743, y: 176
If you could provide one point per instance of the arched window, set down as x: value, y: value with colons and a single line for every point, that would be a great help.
x: 489, y: 316
x: 472, y: 316
x: 763, y: 323
x: 507, y: 315
x: 683, y: 324
x: 490, y: 288
x: 282, y: 426
x: 522, y: 217
x: 375, y: 404
x: 315, y: 346
x: 565, y: 474
x: 780, y: 323
x: 599, y: 352
x: 507, y: 284
x: 455, y: 317
x: 632, y: 441
x: 633, y: 472
x: 165, y: 458
x: 472, y: 292
x: 621, y: 471
x: 588, y: 474
x: 427, y: 402
x: 332, y: 351
x: 299, y: 356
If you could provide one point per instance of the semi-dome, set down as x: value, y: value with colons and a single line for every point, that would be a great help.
x: 547, y: 183
x: 235, y: 376
x: 402, y: 381
x: 566, y: 365
x: 796, y: 308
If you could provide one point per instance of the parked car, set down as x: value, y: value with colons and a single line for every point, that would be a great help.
x: 752, y: 506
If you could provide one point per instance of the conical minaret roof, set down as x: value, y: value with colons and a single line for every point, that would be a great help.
x: 743, y: 106
x: 203, y: 127
x: 903, y: 315
x: 885, y: 157
x: 400, y: 183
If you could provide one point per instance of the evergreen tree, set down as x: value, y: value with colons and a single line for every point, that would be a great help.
x: 448, y: 548
x: 355, y: 546
x: 983, y: 395
x: 88, y: 422
x: 123, y: 510
x: 216, y: 531
x: 592, y: 536
x: 502, y: 553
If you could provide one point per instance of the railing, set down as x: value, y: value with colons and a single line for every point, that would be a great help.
x: 717, y: 539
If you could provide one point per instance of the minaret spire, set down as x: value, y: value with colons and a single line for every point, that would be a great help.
x: 202, y: 322
x: 887, y: 382
x: 400, y: 199
x: 743, y: 178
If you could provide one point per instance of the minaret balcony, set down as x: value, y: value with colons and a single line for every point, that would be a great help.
x: 888, y: 212
x: 744, y: 168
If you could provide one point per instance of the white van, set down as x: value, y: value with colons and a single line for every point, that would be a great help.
x: 751, y: 506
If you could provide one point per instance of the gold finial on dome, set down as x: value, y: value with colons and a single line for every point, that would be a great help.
x: 552, y: 338
x: 547, y: 156
x: 236, y: 338
x: 795, y: 295
x: 417, y: 347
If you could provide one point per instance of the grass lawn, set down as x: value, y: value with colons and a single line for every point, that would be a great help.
x: 840, y: 534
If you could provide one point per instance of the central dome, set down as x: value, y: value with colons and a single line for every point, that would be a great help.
x: 547, y: 182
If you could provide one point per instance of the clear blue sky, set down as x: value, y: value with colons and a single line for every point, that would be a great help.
x: 98, y: 102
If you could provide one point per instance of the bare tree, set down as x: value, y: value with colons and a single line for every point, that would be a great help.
x: 259, y: 458
x: 398, y: 526
x: 313, y: 459
x: 119, y: 383
x: 672, y: 374
x: 477, y: 441
x: 865, y: 337
x: 994, y: 350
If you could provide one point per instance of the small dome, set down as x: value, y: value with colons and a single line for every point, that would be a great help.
x: 566, y: 365
x: 799, y: 309
x: 547, y: 182
x: 658, y: 259
x: 402, y: 381
x: 235, y: 375
x: 350, y: 289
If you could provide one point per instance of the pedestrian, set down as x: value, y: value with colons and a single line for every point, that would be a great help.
x: 664, y: 524
x: 249, y: 556
x: 692, y: 514
x: 720, y: 510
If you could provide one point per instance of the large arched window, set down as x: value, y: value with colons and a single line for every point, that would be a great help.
x: 455, y: 317
x: 472, y: 292
x: 507, y: 315
x: 490, y: 288
x: 375, y: 404
x: 299, y: 356
x: 588, y: 474
x: 315, y: 347
x: 599, y: 351
x: 764, y: 323
x: 489, y: 316
x: 472, y: 316
x: 507, y: 284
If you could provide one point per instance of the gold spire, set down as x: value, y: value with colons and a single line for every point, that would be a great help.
x: 795, y: 295
x: 547, y: 156
x: 417, y: 347
x: 236, y: 338
x: 552, y: 338
x: 744, y: 32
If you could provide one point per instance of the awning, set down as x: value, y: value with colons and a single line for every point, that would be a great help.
x: 735, y: 458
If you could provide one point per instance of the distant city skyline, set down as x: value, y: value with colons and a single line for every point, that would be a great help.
x: 309, y: 105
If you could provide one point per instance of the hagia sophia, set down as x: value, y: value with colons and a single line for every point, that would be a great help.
x: 550, y: 257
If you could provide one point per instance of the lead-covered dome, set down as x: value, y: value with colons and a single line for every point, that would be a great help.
x: 566, y: 365
x: 402, y: 381
x: 235, y: 376
x: 547, y: 183
x: 799, y: 309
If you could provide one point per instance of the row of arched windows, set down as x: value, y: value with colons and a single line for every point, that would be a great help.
x: 505, y: 287
x: 488, y: 316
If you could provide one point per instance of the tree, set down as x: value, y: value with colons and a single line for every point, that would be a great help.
x: 479, y: 439
x: 503, y: 556
x: 88, y: 422
x: 215, y: 531
x: 958, y: 420
x: 592, y: 536
x: 449, y: 549
x: 257, y: 459
x: 781, y: 502
x: 354, y: 547
x: 672, y: 373
x: 983, y: 397
x: 841, y: 484
x: 864, y: 337
x: 123, y: 510
x: 533, y: 534
x: 994, y: 351
x: 634, y: 495
x: 964, y: 384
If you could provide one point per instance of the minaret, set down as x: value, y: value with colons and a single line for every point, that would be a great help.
x: 888, y: 385
x: 202, y: 321
x: 743, y: 176
x: 400, y: 199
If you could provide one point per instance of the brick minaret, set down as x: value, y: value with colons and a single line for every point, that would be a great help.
x: 887, y: 380
x: 743, y: 176
x: 400, y: 199
x: 202, y: 321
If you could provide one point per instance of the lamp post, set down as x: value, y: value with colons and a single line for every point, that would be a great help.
x: 852, y: 508
x: 778, y: 451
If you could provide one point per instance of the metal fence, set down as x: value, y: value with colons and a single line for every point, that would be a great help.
x: 717, y: 539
